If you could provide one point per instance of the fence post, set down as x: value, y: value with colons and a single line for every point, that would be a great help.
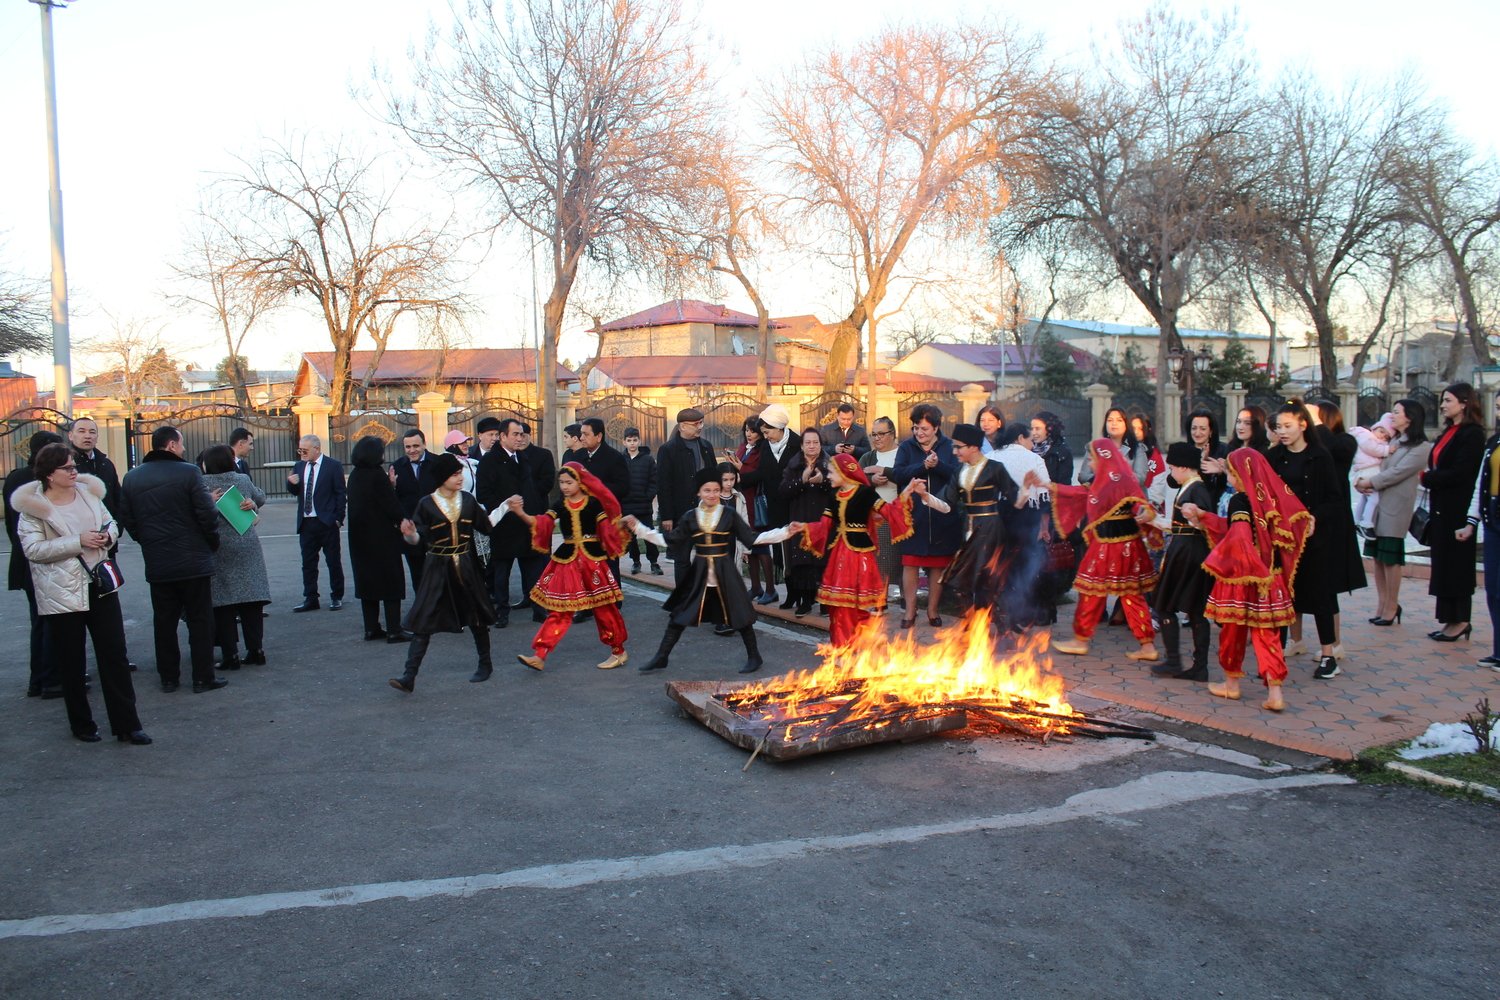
x: 1100, y: 398
x: 312, y: 412
x: 972, y: 396
x: 110, y: 415
x: 1171, y: 414
x: 1234, y: 401
x: 432, y: 418
x: 1348, y: 403
x: 1288, y: 391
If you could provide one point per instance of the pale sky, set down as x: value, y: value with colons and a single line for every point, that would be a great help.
x: 157, y: 98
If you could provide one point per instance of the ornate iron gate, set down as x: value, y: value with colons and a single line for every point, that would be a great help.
x: 620, y: 411
x: 388, y: 425
x: 724, y: 417
x: 820, y: 411
x: 17, y: 428
x: 211, y: 423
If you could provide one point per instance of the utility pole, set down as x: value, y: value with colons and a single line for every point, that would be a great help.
x: 62, y: 350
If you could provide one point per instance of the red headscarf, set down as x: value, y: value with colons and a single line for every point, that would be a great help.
x: 1281, y: 520
x: 1114, y: 488
x: 849, y: 467
x: 594, y: 488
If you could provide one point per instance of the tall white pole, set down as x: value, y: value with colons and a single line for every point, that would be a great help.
x: 62, y: 354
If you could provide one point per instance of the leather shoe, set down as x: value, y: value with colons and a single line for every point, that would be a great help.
x: 307, y: 606
x: 48, y: 694
x: 398, y: 636
x: 379, y: 633
x: 201, y: 686
x: 93, y: 737
x: 137, y: 738
x: 169, y: 686
x: 335, y: 605
x: 255, y: 659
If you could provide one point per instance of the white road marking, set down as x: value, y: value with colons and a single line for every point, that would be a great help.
x: 1155, y: 791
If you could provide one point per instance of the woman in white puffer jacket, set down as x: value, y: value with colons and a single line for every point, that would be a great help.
x: 66, y: 531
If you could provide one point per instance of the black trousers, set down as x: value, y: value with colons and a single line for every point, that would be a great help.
x: 531, y: 571
x: 65, y: 639
x: 227, y: 635
x: 175, y: 601
x: 371, y: 612
x: 315, y: 536
x: 636, y: 544
x: 43, y: 670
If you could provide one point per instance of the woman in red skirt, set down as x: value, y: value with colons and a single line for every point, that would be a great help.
x: 1116, y: 526
x: 1254, y: 563
x: 852, y: 583
x: 578, y: 576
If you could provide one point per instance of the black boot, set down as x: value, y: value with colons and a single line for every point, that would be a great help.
x: 753, y: 662
x: 668, y: 640
x: 1171, y: 640
x: 414, y: 653
x: 481, y: 646
x: 1202, y: 635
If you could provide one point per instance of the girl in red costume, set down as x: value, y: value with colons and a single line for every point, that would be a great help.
x: 578, y: 576
x: 852, y: 583
x: 1254, y: 561
x: 1116, y: 525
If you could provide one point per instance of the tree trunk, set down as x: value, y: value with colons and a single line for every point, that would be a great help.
x: 1464, y: 281
x: 546, y: 369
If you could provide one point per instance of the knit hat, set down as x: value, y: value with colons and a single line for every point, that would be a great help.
x: 969, y: 434
x: 776, y: 416
x: 1184, y: 454
x: 1388, y: 421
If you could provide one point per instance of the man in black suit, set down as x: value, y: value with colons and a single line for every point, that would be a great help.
x: 318, y: 483
x: 165, y: 506
x: 510, y: 471
x: 677, y: 462
x: 242, y: 443
x: 411, y: 474
x: 844, y: 436
x: 486, y: 437
x: 606, y: 464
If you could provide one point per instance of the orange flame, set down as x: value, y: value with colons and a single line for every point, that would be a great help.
x: 878, y: 677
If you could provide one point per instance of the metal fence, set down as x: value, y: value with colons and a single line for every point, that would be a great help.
x: 17, y: 428
x: 951, y: 405
x: 620, y: 411
x: 496, y: 406
x: 1074, y: 413
x: 388, y: 425
x: 724, y: 416
x: 275, y: 438
x: 821, y: 410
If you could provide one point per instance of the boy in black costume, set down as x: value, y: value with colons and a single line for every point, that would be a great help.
x: 1183, y: 585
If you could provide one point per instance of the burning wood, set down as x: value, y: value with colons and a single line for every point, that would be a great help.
x: 880, y: 690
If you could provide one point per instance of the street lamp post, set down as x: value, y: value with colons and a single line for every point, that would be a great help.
x: 62, y: 352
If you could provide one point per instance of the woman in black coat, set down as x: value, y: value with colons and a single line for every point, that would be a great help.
x: 375, y: 541
x: 1452, y: 467
x: 806, y: 489
x: 1346, y: 572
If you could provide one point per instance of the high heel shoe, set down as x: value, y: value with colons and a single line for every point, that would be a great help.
x: 1444, y: 637
x: 1377, y: 620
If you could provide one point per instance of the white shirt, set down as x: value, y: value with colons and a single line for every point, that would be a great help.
x: 309, y: 481
x: 1018, y: 461
x: 887, y: 460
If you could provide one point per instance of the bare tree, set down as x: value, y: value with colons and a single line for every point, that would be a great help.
x: 582, y: 122
x: 1328, y: 206
x: 1147, y: 166
x: 314, y: 224
x: 25, y: 320
x: 227, y: 288
x: 133, y: 361
x: 912, y: 131
x: 1455, y: 196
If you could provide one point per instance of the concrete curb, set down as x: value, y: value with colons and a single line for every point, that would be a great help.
x: 1443, y: 780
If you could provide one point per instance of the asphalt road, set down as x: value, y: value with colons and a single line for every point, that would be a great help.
x: 307, y: 831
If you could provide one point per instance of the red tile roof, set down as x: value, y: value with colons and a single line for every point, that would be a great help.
x: 683, y: 311
x: 666, y: 371
x: 484, y: 364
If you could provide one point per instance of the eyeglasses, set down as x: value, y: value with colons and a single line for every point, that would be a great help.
x: 880, y: 434
x: 68, y: 468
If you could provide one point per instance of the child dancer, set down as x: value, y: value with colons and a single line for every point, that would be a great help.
x: 1183, y: 585
x: 452, y: 594
x: 1117, y: 560
x: 852, y: 583
x: 711, y: 588
x: 578, y: 577
x: 1254, y: 561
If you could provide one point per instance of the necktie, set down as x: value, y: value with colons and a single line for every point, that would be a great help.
x: 307, y: 492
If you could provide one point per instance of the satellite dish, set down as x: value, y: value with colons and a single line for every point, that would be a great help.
x: 737, y: 345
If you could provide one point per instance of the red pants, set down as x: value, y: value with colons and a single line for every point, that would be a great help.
x: 843, y: 623
x: 1090, y: 611
x: 606, y: 618
x: 1268, y: 654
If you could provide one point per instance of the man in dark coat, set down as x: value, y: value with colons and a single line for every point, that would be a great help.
x: 642, y: 495
x: 411, y: 474
x: 317, y: 481
x: 607, y: 465
x: 512, y: 471
x: 242, y: 443
x: 486, y: 437
x: 43, y: 680
x: 677, y: 463
x: 165, y: 506
x: 844, y: 436
x: 782, y: 445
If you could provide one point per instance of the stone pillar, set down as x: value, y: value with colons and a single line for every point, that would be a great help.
x: 1101, y: 397
x: 110, y: 415
x: 432, y: 418
x: 1171, y: 414
x: 1289, y: 390
x: 973, y: 397
x: 1234, y: 401
x: 1348, y: 396
x: 312, y: 412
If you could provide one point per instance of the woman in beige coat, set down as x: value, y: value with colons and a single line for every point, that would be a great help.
x: 1396, y: 482
x: 66, y: 531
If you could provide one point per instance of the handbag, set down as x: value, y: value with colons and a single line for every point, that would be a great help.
x: 1421, y: 522
x: 105, y: 576
x: 762, y: 513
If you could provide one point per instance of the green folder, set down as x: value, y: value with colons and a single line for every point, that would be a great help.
x: 229, y: 506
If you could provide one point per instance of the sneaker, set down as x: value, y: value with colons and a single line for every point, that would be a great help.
x: 1297, y: 648
x: 1328, y: 668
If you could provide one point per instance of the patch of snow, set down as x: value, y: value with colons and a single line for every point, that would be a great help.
x: 1445, y: 738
